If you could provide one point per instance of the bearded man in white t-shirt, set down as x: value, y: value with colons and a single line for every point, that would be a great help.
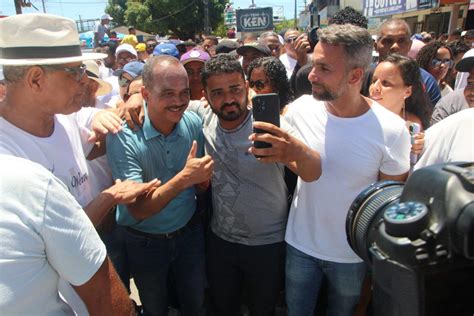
x: 360, y: 142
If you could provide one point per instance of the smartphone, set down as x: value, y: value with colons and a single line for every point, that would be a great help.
x: 265, y: 108
x: 413, y: 128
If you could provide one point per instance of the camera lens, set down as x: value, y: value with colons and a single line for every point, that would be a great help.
x: 366, y: 211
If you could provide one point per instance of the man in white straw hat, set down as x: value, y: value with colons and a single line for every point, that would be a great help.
x: 46, y: 82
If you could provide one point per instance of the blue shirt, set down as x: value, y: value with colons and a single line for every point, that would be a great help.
x: 147, y: 154
x: 431, y: 86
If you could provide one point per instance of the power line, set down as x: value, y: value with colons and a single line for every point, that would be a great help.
x: 175, y: 13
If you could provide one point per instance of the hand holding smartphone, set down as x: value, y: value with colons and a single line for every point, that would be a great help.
x: 413, y: 128
x: 266, y: 108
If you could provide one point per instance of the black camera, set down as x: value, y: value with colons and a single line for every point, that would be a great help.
x: 418, y: 240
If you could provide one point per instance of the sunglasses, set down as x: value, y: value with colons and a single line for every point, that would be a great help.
x: 126, y: 59
x: 291, y: 39
x: 123, y: 82
x: 258, y: 84
x: 274, y: 48
x: 78, y: 72
x: 435, y: 62
x: 400, y: 41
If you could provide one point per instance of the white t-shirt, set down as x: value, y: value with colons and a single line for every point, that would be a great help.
x: 449, y: 140
x: 110, y: 100
x: 44, y: 235
x: 63, y: 153
x: 289, y: 63
x: 353, y: 151
x: 461, y: 77
x: 99, y: 169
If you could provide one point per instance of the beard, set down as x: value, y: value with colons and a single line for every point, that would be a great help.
x: 326, y: 94
x: 230, y: 116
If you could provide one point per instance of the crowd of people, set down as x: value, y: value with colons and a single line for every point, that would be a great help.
x: 138, y: 161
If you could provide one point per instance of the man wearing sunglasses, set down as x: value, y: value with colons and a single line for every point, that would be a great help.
x: 296, y: 50
x: 150, y: 45
x: 125, y: 75
x: 271, y: 40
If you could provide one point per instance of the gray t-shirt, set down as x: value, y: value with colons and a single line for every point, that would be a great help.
x: 249, y: 197
x: 449, y: 104
x: 100, y: 29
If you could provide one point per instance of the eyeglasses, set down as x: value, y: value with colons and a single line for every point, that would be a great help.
x: 151, y: 45
x: 126, y: 59
x: 78, y: 72
x: 388, y: 41
x: 123, y: 82
x: 274, y: 48
x: 291, y: 39
x: 435, y: 62
x: 258, y: 84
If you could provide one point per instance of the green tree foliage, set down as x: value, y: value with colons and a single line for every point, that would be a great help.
x: 116, y: 9
x: 286, y: 24
x: 184, y: 18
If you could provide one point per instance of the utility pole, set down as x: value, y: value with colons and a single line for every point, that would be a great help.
x: 296, y: 21
x: 207, y: 24
x: 18, y: 6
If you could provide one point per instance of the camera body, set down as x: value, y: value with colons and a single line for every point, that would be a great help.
x: 419, y: 241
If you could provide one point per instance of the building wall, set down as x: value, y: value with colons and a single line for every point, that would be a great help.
x: 356, y: 4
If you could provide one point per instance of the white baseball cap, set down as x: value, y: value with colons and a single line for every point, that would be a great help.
x: 106, y: 16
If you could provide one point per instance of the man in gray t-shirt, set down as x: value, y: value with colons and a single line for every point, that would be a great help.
x: 101, y: 28
x: 246, y: 242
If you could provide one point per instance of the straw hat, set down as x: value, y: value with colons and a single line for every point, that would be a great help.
x: 93, y: 73
x: 40, y: 39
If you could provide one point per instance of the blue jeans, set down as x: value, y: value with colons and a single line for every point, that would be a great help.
x: 304, y: 274
x: 233, y: 268
x: 117, y: 251
x: 152, y: 259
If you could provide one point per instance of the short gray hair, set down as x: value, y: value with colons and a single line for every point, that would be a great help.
x: 152, y: 62
x: 14, y: 74
x: 356, y: 42
x: 267, y: 34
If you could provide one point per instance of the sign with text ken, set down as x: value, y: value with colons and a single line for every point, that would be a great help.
x: 254, y: 20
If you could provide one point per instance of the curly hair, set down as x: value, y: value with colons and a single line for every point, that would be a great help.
x: 349, y: 15
x: 276, y: 73
x: 417, y: 103
x: 458, y: 47
x: 220, y: 64
x: 428, y: 52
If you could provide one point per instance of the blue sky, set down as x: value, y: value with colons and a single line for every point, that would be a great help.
x: 91, y: 9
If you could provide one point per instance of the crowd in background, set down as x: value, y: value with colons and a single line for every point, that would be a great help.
x: 149, y: 169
